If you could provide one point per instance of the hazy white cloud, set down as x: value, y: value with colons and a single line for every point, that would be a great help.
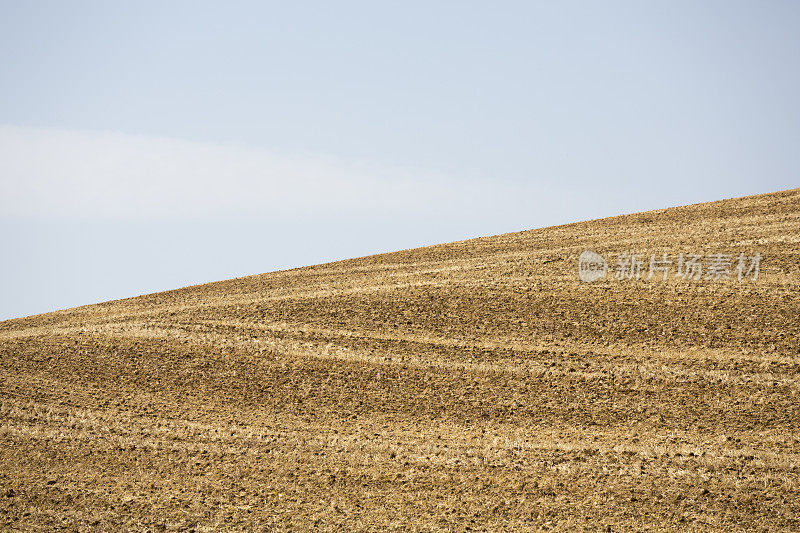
x: 65, y: 172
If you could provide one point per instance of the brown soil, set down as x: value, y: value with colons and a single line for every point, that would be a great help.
x: 477, y: 385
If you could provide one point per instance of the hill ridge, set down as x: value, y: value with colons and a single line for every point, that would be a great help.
x: 478, y: 383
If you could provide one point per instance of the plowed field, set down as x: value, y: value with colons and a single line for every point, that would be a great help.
x: 477, y: 385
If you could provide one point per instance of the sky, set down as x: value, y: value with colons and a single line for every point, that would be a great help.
x: 146, y: 146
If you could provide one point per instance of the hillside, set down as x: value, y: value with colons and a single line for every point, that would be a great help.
x: 473, y: 385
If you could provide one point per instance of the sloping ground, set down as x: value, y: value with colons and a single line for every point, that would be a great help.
x: 472, y: 385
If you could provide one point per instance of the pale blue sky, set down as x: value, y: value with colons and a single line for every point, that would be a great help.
x: 150, y: 145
